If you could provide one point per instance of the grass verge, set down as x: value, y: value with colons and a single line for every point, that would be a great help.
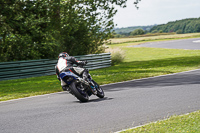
x: 147, y: 62
x: 189, y: 123
x: 19, y: 88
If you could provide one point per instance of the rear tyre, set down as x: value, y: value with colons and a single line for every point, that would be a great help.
x: 100, y: 92
x: 78, y: 91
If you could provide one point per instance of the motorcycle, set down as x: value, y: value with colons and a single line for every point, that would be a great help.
x: 80, y: 88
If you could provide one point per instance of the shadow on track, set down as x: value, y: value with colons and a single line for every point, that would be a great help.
x: 96, y: 100
x: 169, y: 80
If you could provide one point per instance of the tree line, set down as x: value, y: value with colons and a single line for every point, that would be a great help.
x: 191, y: 25
x: 40, y: 29
x: 131, y: 31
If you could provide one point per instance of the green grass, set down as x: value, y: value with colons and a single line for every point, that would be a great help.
x: 148, y: 62
x: 189, y: 123
x: 19, y: 88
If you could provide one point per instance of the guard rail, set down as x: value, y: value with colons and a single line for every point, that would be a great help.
x: 34, y: 68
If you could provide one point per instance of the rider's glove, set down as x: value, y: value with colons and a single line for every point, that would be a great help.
x: 85, y: 62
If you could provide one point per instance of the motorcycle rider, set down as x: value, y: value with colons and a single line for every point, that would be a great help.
x: 65, y: 63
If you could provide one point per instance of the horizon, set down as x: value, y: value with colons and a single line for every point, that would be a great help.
x: 154, y: 24
x: 155, y: 12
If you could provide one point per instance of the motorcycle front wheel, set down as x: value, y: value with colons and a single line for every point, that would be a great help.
x: 100, y: 92
x: 78, y: 91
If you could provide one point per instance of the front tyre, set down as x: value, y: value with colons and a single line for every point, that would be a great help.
x: 78, y: 91
x: 100, y: 92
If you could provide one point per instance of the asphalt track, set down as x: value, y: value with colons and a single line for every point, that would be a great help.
x: 126, y: 105
x: 192, y: 44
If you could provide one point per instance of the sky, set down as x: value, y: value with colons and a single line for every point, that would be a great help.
x: 152, y: 12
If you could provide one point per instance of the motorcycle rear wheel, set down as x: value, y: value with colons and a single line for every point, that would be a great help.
x: 78, y: 92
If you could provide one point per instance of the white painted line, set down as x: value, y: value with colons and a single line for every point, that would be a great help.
x: 197, y: 41
x: 101, y: 85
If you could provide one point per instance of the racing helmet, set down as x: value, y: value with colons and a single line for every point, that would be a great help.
x: 63, y: 54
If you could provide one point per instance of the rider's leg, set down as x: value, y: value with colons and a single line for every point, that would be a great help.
x: 85, y: 75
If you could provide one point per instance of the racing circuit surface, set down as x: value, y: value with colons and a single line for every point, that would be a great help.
x: 126, y: 105
x: 193, y: 43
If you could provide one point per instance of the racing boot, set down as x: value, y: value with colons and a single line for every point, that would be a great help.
x: 85, y: 77
x: 66, y: 88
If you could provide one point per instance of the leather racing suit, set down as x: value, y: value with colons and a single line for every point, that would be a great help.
x: 66, y: 64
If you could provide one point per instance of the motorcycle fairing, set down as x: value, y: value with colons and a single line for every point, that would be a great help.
x: 68, y: 74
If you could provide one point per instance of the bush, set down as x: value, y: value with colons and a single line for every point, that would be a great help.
x: 154, y: 31
x: 117, y: 55
x: 137, y: 32
x: 179, y: 32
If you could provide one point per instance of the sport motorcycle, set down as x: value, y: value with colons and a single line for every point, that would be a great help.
x: 80, y: 88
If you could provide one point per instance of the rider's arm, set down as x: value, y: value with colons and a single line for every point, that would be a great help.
x: 75, y: 61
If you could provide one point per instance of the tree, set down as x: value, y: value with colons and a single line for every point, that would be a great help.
x: 23, y: 26
x: 35, y: 29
